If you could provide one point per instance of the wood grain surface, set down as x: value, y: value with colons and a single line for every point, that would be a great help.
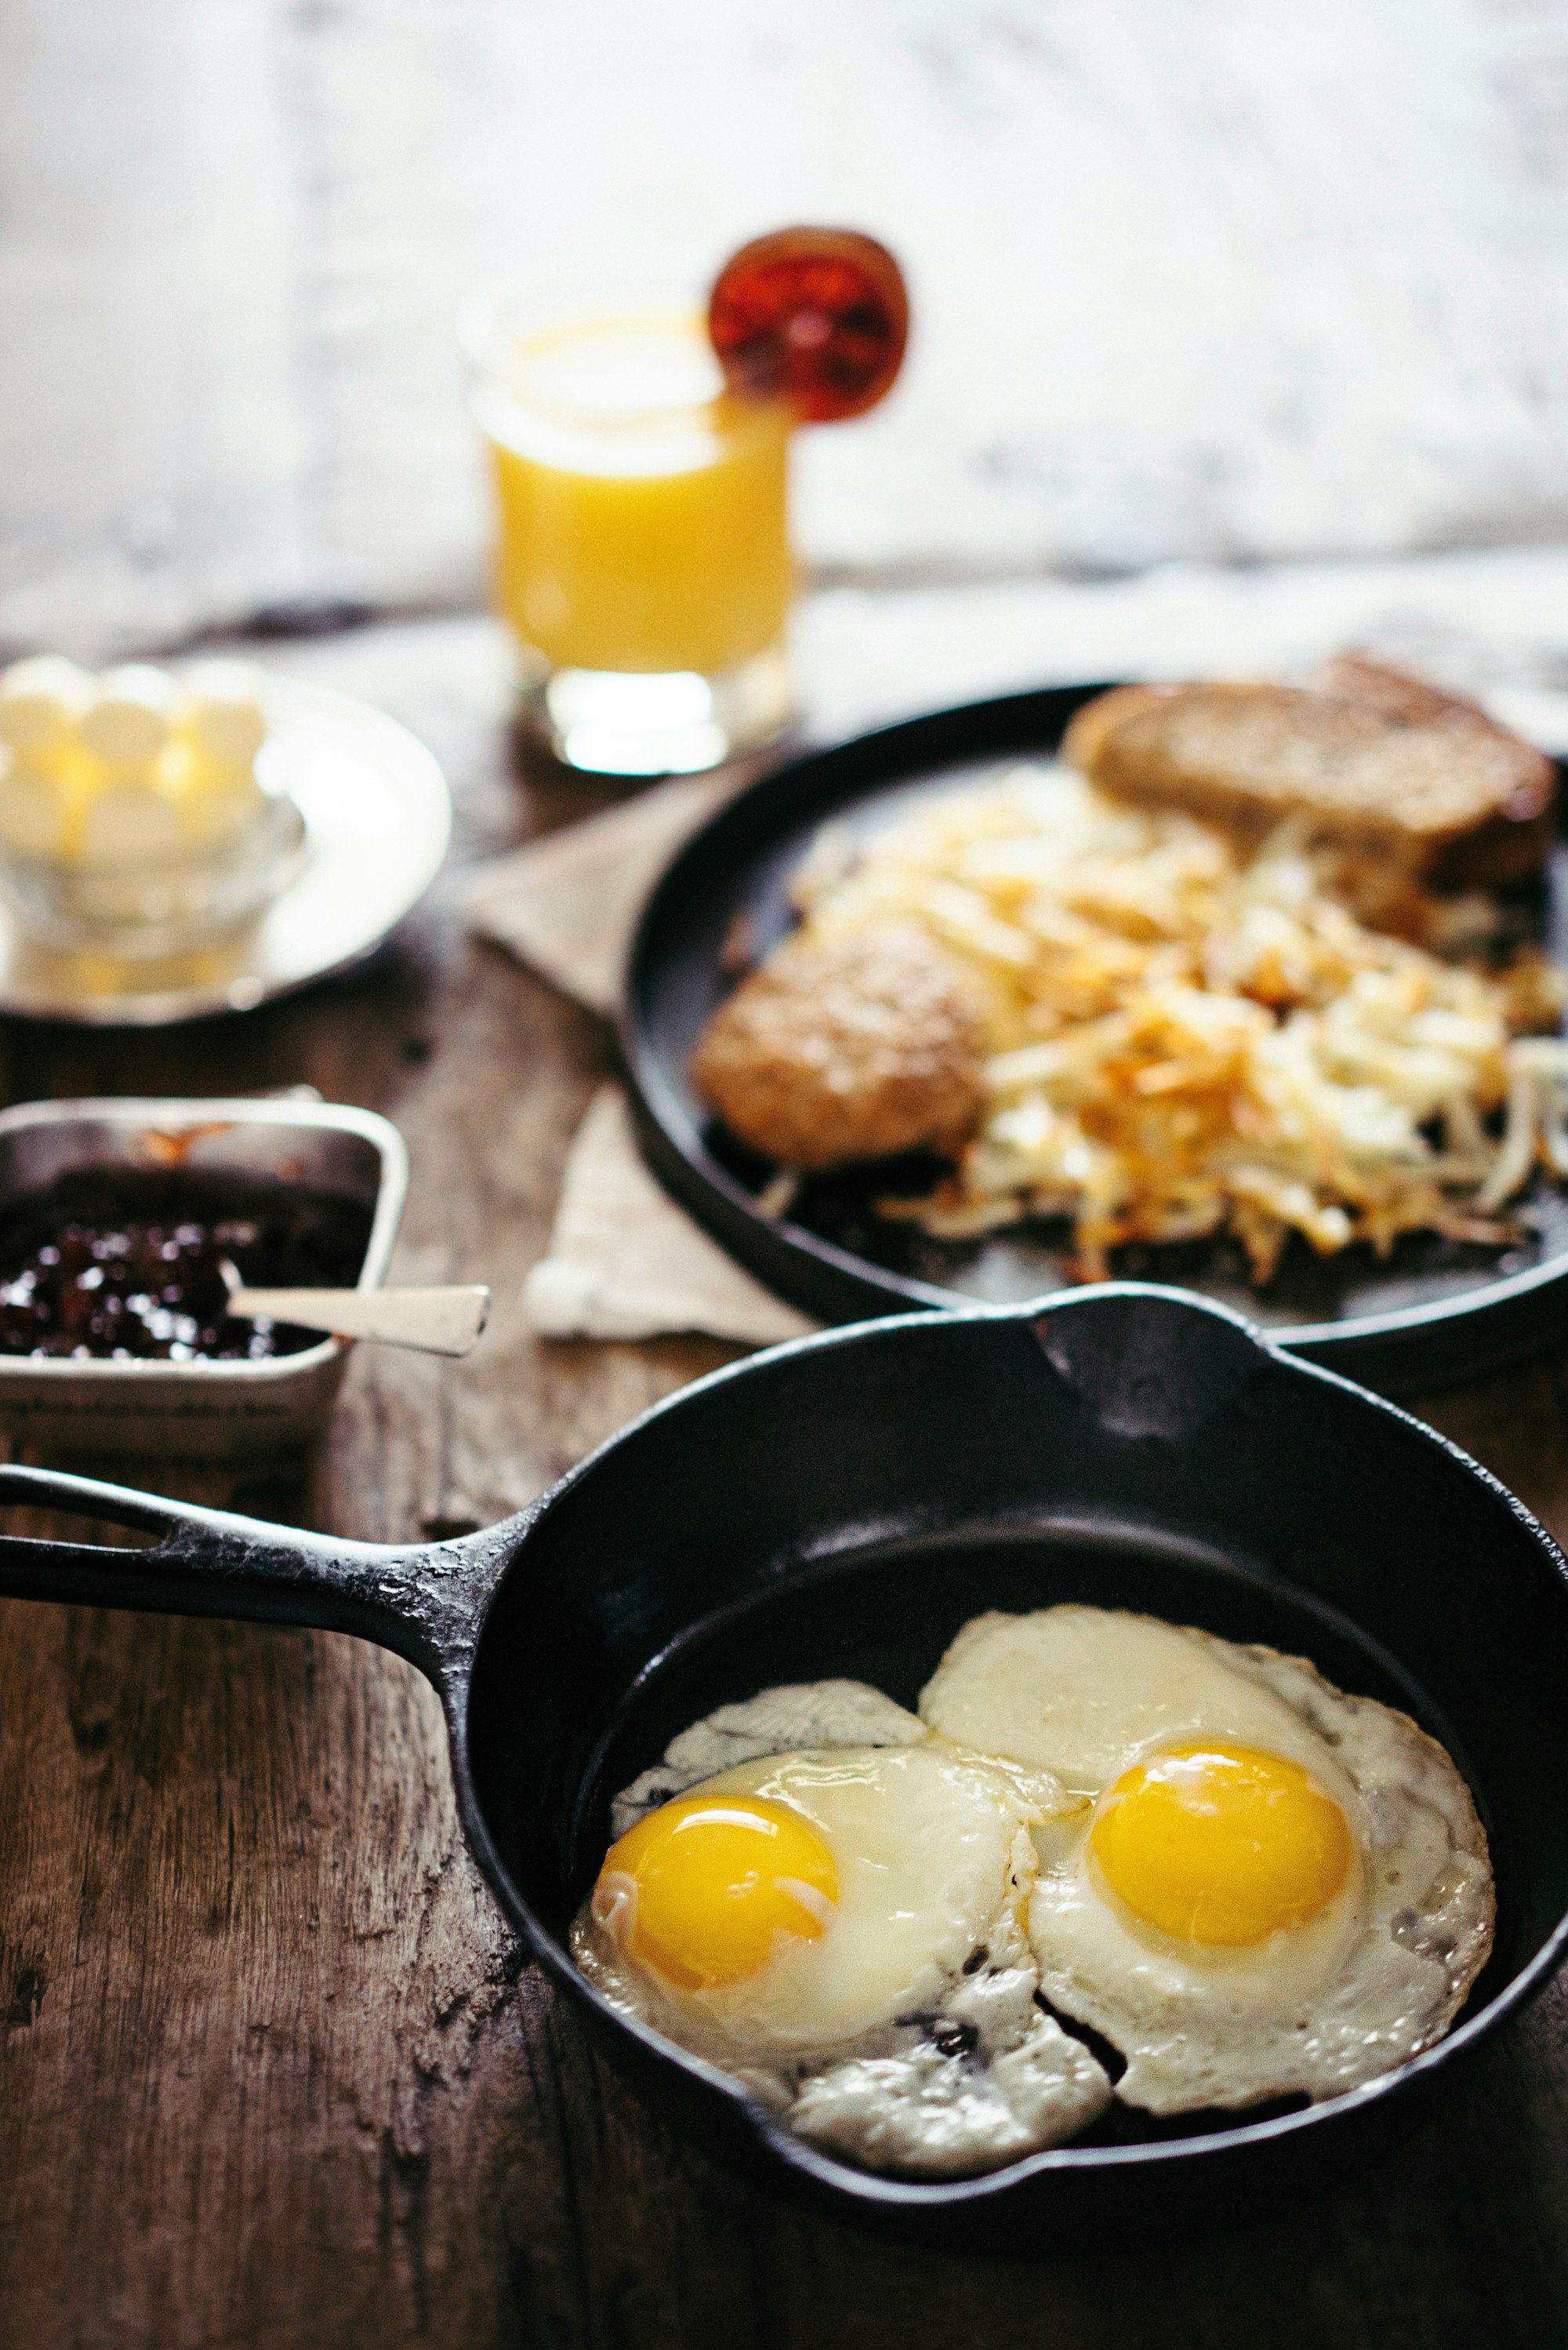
x: 272, y: 2072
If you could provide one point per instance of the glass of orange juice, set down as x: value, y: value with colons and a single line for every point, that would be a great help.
x: 642, y: 558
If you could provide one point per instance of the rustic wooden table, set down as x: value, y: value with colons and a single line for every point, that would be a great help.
x: 272, y: 2070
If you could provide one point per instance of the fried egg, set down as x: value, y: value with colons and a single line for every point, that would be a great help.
x: 844, y: 1927
x: 1265, y: 1888
x: 797, y: 1714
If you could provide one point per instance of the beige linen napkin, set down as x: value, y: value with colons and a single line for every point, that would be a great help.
x: 623, y: 1261
x: 568, y: 904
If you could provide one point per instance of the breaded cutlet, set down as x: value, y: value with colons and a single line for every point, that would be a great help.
x: 839, y: 1049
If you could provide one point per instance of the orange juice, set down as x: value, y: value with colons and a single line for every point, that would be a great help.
x: 642, y: 509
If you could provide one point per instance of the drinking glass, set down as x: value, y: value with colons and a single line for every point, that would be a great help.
x: 642, y: 548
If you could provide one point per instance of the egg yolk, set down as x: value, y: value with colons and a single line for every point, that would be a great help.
x: 701, y: 1888
x: 1221, y: 1843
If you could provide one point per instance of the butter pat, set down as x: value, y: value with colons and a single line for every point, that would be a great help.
x: 224, y: 716
x: 130, y: 722
x: 219, y: 802
x: 41, y: 701
x: 35, y: 808
x: 128, y: 822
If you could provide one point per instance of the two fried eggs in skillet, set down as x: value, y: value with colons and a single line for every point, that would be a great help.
x: 893, y: 1927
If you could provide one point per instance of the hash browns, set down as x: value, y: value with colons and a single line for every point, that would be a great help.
x: 1123, y: 1017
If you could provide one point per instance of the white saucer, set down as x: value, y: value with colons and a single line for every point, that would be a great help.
x: 378, y: 819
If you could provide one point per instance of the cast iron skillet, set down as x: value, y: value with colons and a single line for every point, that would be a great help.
x: 1439, y: 1310
x: 840, y: 1507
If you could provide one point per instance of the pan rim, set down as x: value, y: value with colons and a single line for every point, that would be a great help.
x: 877, y: 2190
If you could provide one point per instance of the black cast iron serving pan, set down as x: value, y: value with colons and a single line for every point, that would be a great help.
x: 841, y: 1506
x: 1437, y: 1310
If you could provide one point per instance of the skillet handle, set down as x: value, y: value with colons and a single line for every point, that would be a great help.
x: 424, y: 1601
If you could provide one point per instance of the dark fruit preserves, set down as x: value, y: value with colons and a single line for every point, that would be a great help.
x: 123, y: 1266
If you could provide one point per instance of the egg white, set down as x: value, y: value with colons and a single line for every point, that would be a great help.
x: 1378, y: 1975
x: 791, y: 1718
x: 905, y: 2037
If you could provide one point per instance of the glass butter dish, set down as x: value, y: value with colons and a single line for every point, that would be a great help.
x: 139, y: 813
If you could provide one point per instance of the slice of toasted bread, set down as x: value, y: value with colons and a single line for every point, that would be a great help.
x: 1396, y: 694
x: 1379, y: 765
